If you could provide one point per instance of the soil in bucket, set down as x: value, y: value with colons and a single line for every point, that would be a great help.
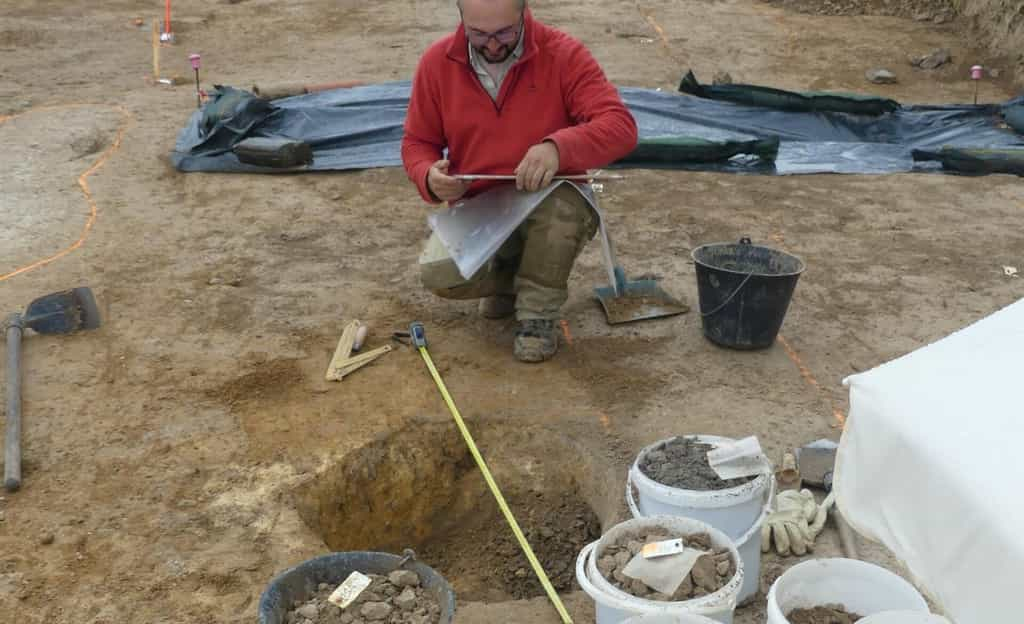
x: 829, y: 614
x: 711, y: 572
x: 683, y: 463
x: 393, y: 599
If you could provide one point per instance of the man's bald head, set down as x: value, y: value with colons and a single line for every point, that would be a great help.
x: 493, y: 26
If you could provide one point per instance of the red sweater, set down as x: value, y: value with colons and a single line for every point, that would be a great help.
x: 556, y: 91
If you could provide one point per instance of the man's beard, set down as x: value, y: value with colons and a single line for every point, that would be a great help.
x: 504, y: 52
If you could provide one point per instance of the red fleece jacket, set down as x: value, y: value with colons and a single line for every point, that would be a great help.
x: 556, y: 91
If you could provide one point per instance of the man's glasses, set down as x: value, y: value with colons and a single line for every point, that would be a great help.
x: 505, y: 36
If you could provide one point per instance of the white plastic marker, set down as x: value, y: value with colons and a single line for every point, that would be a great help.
x: 742, y: 458
x: 662, y: 549
x: 348, y: 591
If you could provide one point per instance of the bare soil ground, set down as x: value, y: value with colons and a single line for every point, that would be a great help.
x: 188, y: 451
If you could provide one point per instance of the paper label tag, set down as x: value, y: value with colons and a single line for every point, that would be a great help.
x: 348, y: 591
x: 664, y: 574
x: 662, y: 549
x: 744, y: 458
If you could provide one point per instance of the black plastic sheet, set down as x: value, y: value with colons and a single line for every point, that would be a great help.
x: 361, y: 128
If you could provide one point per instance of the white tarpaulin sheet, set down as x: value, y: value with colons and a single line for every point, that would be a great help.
x: 931, y: 465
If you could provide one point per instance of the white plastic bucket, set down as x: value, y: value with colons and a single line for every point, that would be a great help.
x: 614, y: 605
x: 669, y: 619
x: 859, y: 587
x: 748, y: 541
x: 732, y: 510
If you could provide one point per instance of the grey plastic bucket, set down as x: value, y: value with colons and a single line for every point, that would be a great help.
x: 300, y: 583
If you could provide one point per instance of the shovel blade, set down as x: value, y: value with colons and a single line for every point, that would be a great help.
x: 63, y: 312
x: 639, y: 300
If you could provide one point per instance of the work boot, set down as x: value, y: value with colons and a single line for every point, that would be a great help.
x: 498, y: 306
x: 536, y: 340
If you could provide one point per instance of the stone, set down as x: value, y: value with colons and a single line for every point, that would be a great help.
x: 346, y: 618
x: 46, y: 539
x: 308, y: 611
x: 638, y: 589
x: 881, y: 76
x: 634, y: 547
x: 406, y: 601
x: 606, y: 565
x: 935, y: 59
x: 704, y: 573
x: 322, y: 587
x: 994, y: 73
x: 622, y: 558
x: 521, y: 573
x: 721, y: 78
x: 722, y: 568
x: 404, y: 578
x: 376, y: 611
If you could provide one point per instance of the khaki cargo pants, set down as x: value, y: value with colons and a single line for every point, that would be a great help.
x: 534, y: 263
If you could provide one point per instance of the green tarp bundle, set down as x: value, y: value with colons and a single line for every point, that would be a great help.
x: 976, y: 161
x: 804, y: 102
x: 668, y: 151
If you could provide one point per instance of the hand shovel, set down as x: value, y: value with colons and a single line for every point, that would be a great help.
x: 64, y: 312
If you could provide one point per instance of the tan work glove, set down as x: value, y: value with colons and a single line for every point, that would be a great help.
x: 794, y: 523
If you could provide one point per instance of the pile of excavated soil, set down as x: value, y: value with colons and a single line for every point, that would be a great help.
x: 939, y: 11
x: 710, y: 573
x: 683, y: 463
x: 830, y: 614
x: 482, y: 559
x: 393, y: 599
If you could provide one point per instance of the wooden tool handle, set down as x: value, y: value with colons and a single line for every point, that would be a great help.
x: 12, y: 441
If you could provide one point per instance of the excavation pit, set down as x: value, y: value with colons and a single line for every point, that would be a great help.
x: 419, y: 488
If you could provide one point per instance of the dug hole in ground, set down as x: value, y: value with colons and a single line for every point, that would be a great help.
x: 179, y: 457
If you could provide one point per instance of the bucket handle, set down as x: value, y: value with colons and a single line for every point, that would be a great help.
x: 729, y: 299
x: 743, y: 241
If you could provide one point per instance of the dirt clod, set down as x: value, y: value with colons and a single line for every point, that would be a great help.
x: 683, y: 463
x: 482, y: 556
x: 829, y: 614
x: 385, y: 601
x: 710, y: 573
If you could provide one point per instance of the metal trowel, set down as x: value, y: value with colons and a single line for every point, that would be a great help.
x: 626, y: 301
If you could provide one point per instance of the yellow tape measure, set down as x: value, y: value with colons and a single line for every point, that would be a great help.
x: 419, y: 340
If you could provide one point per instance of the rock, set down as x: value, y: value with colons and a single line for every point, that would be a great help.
x: 722, y: 568
x: 881, y: 76
x: 923, y: 16
x: 214, y: 281
x: 704, y: 575
x: 622, y: 558
x: 547, y: 533
x: 638, y: 589
x: 322, y: 587
x: 308, y: 611
x: 942, y: 18
x: 994, y: 73
x: 521, y: 573
x: 606, y: 565
x: 404, y: 578
x: 685, y: 589
x: 721, y: 78
x: 406, y: 601
x: 346, y: 618
x: 620, y: 577
x: 46, y: 539
x: 376, y: 611
x: 634, y: 547
x: 935, y: 59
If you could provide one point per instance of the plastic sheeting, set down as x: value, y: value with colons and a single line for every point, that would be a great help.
x: 930, y: 466
x: 361, y: 128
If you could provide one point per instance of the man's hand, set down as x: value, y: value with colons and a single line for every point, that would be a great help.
x: 442, y: 185
x: 538, y: 167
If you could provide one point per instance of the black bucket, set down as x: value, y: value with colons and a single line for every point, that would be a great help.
x: 300, y: 583
x: 744, y: 292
